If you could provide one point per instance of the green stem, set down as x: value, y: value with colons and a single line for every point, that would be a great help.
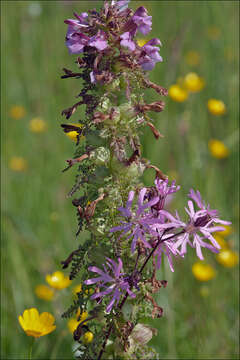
x: 30, y: 350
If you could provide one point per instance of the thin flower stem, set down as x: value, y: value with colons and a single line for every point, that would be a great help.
x: 155, y: 247
x: 30, y: 350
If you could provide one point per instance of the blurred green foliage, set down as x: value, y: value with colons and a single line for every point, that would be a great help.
x: 38, y: 220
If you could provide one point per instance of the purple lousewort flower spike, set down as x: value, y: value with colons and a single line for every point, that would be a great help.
x: 114, y: 277
x: 150, y: 54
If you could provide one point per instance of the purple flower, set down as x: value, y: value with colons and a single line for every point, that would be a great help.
x: 164, y: 190
x: 126, y: 40
x: 200, y: 223
x: 76, y: 42
x: 98, y: 41
x: 120, y: 5
x: 166, y: 247
x: 150, y: 54
x: 142, y: 20
x: 79, y: 23
x: 114, y: 277
x: 138, y: 222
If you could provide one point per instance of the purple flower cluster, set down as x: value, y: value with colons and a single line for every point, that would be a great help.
x: 78, y: 36
x: 115, y: 280
x: 149, y: 223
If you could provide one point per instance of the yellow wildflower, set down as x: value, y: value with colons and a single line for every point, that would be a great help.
x: 73, y: 134
x: 193, y: 82
x: 203, y: 272
x: 44, y: 292
x: 228, y: 230
x: 17, y: 163
x: 72, y: 325
x: 141, y: 42
x: 36, y: 325
x: 220, y: 240
x: 192, y: 58
x: 83, y: 315
x: 54, y: 216
x: 218, y: 149
x: 216, y: 107
x: 227, y: 258
x: 17, y: 112
x: 77, y: 289
x: 57, y: 280
x: 87, y: 337
x: 177, y: 93
x: 213, y: 32
x: 37, y: 125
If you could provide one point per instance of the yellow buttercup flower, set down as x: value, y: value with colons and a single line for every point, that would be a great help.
x: 87, y: 337
x: 74, y: 322
x: 44, y: 292
x: 37, y: 125
x: 73, y: 135
x: 54, y: 216
x: 213, y: 32
x: 58, y: 280
x: 218, y: 149
x: 228, y: 230
x: 72, y: 325
x: 192, y: 58
x: 141, y: 42
x: 177, y: 93
x: 83, y: 315
x: 77, y: 289
x: 203, y: 272
x: 193, y: 82
x: 36, y: 325
x: 220, y: 240
x: 227, y: 258
x: 17, y: 112
x: 216, y: 107
x: 18, y: 163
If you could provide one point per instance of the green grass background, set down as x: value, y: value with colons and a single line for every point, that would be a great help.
x: 32, y: 56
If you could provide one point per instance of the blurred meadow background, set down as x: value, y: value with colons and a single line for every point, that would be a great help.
x: 200, y: 148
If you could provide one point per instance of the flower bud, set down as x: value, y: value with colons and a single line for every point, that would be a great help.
x: 142, y: 333
x: 100, y: 155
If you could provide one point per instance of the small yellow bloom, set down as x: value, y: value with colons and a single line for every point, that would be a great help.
x: 220, y: 240
x: 177, y: 93
x: 57, y: 280
x: 54, y: 216
x: 203, y: 272
x: 73, y: 135
x: 227, y: 258
x: 141, y: 42
x: 72, y: 325
x: 218, y: 149
x: 216, y: 107
x: 213, y: 32
x: 36, y: 325
x: 44, y: 292
x: 37, y: 125
x: 193, y: 82
x: 83, y: 315
x: 228, y: 230
x: 17, y: 112
x: 77, y: 289
x: 87, y: 337
x: 18, y: 163
x: 192, y: 58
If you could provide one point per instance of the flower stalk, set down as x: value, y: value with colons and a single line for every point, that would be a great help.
x: 127, y: 224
